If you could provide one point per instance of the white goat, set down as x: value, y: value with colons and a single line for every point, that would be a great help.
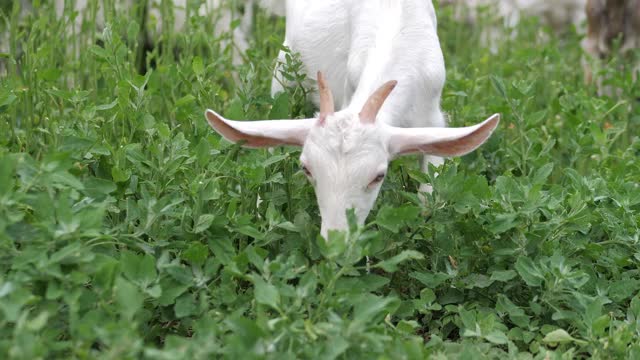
x: 362, y: 46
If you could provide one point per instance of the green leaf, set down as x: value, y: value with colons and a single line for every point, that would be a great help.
x: 391, y: 265
x: 541, y: 175
x: 427, y: 295
x: 558, y: 336
x: 407, y: 327
x: 516, y: 314
x: 529, y: 272
x: 197, y: 66
x: 623, y: 289
x: 96, y: 187
x: 265, y: 293
x: 139, y: 269
x: 128, y: 297
x: 497, y: 337
x: 147, y: 269
x: 503, y: 276
x: 99, y: 52
x: 498, y: 85
x: 7, y: 174
x: 180, y: 273
x: 37, y: 323
x: 634, y: 306
x: 185, y: 100
x: 523, y: 86
x: 392, y: 218
x: 170, y: 290
x: 280, y: 108
x: 248, y: 332
x: 120, y: 175
x: 334, y: 246
x: 71, y: 254
x: 222, y: 249
x: 203, y: 223
x: 185, y: 306
x: 477, y: 281
x: 426, y: 302
x: 6, y: 289
x: 250, y: 231
x: 154, y: 291
x: 369, y: 308
x: 307, y: 285
x: 373, y: 282
x: 275, y: 159
x: 430, y: 280
x: 503, y: 223
x: 196, y: 254
x: 7, y: 99
x: 235, y: 110
x: 65, y: 179
x: 133, y: 30
x: 108, y: 106
x: 334, y: 347
x: 203, y: 152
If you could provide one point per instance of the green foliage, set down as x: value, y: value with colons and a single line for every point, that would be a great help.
x: 129, y: 229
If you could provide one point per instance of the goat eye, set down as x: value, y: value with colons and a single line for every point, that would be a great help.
x: 306, y: 170
x: 377, y: 179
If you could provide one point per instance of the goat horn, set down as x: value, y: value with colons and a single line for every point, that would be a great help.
x: 374, y: 103
x: 326, y: 98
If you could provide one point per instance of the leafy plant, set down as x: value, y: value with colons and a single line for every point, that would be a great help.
x: 128, y: 229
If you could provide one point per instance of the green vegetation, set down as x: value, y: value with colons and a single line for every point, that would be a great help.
x: 129, y: 229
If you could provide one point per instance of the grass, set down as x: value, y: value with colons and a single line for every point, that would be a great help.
x: 129, y: 229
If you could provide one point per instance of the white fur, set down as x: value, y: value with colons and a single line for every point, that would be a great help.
x: 359, y: 45
x: 371, y: 42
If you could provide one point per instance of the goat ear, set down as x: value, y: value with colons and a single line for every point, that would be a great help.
x: 263, y: 133
x: 444, y: 142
